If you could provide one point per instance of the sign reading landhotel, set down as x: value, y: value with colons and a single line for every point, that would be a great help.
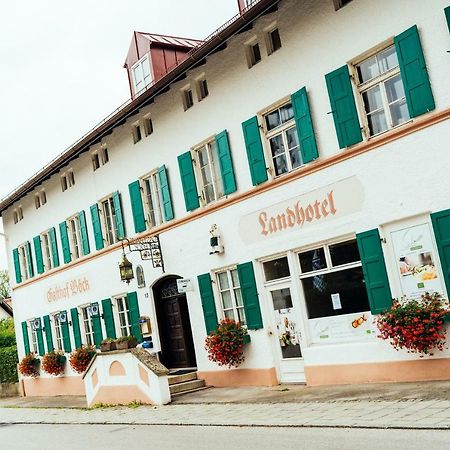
x: 318, y: 206
x: 68, y: 289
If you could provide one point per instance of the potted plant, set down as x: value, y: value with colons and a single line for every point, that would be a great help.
x: 225, y: 346
x: 107, y: 345
x: 54, y: 362
x: 29, y: 365
x: 416, y: 325
x: 81, y: 357
x: 126, y: 342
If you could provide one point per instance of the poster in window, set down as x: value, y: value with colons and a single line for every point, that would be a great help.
x: 415, y: 259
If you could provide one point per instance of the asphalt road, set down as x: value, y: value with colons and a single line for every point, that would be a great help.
x: 110, y: 437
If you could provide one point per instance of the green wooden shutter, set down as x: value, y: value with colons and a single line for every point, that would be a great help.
x: 97, y: 226
x: 249, y: 295
x: 447, y: 17
x: 225, y: 163
x: 374, y: 269
x: 255, y: 152
x: 136, y: 206
x: 40, y: 339
x: 67, y: 257
x: 108, y: 317
x: 76, y: 327
x: 54, y: 247
x: 26, y: 339
x: 305, y: 129
x: 188, y: 181
x: 29, y: 259
x: 133, y: 308
x: 441, y: 226
x: 119, y: 216
x: 413, y: 69
x: 17, y: 265
x: 65, y: 333
x: 208, y: 303
x: 38, y: 254
x: 97, y: 328
x: 165, y: 193
x: 343, y: 107
x: 84, y: 233
x: 48, y: 334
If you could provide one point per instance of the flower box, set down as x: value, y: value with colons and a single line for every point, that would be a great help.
x: 108, y: 346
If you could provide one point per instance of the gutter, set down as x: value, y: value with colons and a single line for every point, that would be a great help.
x: 132, y: 107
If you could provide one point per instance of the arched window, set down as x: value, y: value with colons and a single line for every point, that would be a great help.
x: 140, y: 276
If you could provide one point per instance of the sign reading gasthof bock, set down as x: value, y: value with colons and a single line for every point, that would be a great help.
x: 68, y: 289
x: 318, y: 206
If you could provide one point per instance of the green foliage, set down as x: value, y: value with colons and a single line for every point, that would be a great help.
x: 8, y: 364
x: 4, y: 284
x: 7, y: 334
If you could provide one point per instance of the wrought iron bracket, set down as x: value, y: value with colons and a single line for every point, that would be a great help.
x: 149, y: 248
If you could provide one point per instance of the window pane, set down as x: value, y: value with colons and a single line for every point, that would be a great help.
x: 344, y: 253
x: 292, y: 137
x: 226, y: 299
x: 273, y: 120
x: 286, y: 112
x: 372, y: 99
x: 399, y: 112
x: 296, y: 160
x: 209, y: 193
x: 349, y: 284
x: 280, y: 164
x: 241, y: 314
x: 387, y: 59
x: 377, y: 122
x: 223, y: 280
x: 229, y: 314
x: 238, y: 294
x: 312, y: 260
x: 277, y: 268
x: 281, y: 299
x: 394, y: 88
x: 277, y: 145
x: 276, y: 41
x: 235, y: 278
x: 368, y: 69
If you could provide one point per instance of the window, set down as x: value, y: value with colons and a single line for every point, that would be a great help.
x: 124, y: 316
x: 88, y: 328
x: 73, y: 228
x: 141, y: 75
x: 67, y: 180
x: 109, y: 221
x: 338, y: 4
x: 100, y: 158
x: 137, y: 135
x: 104, y: 155
x: 33, y: 335
x: 25, y: 261
x: 188, y: 99
x: 381, y: 89
x: 95, y: 161
x: 273, y: 41
x: 281, y: 133
x: 253, y: 54
x: 148, y: 126
x: 152, y: 199
x: 18, y: 214
x: 230, y: 295
x: 210, y: 178
x: 333, y: 269
x: 46, y: 250
x: 276, y: 269
x: 58, y: 333
x: 40, y: 199
x: 202, y: 89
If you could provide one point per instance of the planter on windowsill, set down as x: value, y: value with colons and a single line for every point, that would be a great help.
x: 126, y: 342
x: 247, y: 339
x: 107, y: 345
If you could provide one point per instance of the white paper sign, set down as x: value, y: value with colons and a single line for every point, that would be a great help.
x: 336, y: 299
x: 184, y: 285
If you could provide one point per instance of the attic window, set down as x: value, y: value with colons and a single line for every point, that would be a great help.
x: 18, y: 214
x: 137, y: 135
x: 148, y: 126
x: 202, y: 89
x: 67, y: 180
x: 40, y: 199
x: 253, y: 54
x: 188, y: 98
x: 338, y: 4
x: 141, y: 75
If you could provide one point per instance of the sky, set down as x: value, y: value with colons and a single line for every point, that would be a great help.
x: 61, y: 69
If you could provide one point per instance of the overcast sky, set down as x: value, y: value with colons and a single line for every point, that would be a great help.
x: 61, y: 68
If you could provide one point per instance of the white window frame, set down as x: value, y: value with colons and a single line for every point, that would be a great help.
x: 380, y: 80
x: 23, y: 261
x: 140, y: 86
x: 122, y: 329
x: 87, y: 335
x: 234, y: 309
x: 156, y: 198
x: 46, y: 250
x: 57, y: 332
x: 280, y: 130
x: 33, y: 338
x: 74, y: 233
x: 110, y: 234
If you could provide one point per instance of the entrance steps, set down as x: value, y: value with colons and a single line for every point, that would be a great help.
x: 185, y: 383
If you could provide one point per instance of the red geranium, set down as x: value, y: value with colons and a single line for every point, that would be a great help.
x: 416, y: 325
x: 81, y: 357
x: 54, y: 362
x: 29, y: 366
x: 225, y: 345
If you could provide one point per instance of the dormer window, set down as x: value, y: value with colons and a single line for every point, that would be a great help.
x: 141, y: 75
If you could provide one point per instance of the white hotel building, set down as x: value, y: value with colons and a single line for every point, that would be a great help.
x: 313, y: 137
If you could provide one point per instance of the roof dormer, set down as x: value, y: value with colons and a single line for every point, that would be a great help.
x: 151, y: 56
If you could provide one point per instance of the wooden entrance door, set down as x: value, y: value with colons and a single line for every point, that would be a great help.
x: 175, y: 332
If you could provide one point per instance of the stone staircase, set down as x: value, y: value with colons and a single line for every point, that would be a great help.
x: 185, y: 383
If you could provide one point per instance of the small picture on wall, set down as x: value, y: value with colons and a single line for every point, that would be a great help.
x: 419, y: 265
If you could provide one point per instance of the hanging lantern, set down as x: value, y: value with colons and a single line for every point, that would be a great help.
x: 126, y: 270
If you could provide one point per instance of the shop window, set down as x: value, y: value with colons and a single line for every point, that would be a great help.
x: 281, y: 134
x: 123, y: 312
x: 206, y: 159
x: 88, y: 329
x: 333, y: 280
x: 276, y: 269
x: 273, y: 41
x: 58, y: 333
x: 152, y: 199
x: 230, y: 295
x: 381, y: 91
x: 73, y: 227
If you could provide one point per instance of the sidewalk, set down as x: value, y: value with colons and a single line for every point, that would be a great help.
x: 406, y: 405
